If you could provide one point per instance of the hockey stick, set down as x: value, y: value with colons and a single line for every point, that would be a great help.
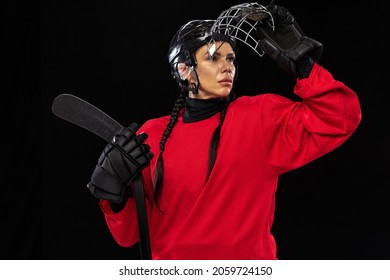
x: 78, y: 111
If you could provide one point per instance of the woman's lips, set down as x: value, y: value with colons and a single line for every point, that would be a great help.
x: 225, y: 82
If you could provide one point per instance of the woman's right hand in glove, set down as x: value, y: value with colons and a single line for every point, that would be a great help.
x: 121, y: 161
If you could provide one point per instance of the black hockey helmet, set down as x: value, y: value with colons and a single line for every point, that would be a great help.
x: 187, y: 40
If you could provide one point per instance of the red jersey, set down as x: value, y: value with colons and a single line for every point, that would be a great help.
x: 230, y: 215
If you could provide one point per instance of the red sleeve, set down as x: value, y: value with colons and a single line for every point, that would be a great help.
x: 122, y: 225
x: 302, y: 131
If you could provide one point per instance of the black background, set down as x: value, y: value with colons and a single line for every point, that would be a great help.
x: 113, y: 54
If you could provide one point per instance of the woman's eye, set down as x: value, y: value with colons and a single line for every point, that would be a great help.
x: 230, y: 58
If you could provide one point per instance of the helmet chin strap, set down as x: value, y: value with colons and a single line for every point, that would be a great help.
x: 193, y: 86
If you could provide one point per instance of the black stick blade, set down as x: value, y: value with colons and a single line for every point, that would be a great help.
x: 78, y: 111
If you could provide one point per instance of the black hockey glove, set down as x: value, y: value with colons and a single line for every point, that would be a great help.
x: 120, y: 162
x: 287, y: 45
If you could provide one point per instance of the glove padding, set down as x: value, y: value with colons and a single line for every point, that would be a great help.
x: 120, y: 162
x: 287, y: 44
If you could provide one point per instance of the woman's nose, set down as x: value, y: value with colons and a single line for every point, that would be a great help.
x: 227, y: 66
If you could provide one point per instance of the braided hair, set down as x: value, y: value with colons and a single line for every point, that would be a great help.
x: 179, y: 104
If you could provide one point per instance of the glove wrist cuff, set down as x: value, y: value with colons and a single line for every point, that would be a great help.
x: 304, y: 66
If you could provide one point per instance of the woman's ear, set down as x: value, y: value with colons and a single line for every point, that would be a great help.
x: 184, y: 70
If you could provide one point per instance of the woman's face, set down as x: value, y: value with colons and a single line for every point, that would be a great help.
x: 215, y: 73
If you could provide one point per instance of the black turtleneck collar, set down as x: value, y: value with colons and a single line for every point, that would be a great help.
x: 201, y: 109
